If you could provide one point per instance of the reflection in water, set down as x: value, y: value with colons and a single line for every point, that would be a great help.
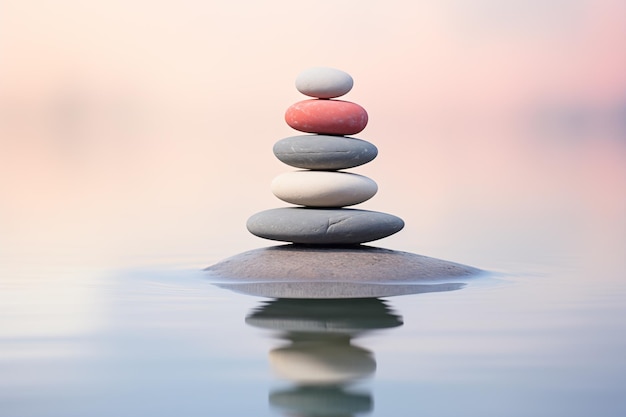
x: 321, y: 401
x: 333, y: 290
x: 319, y: 356
x: 322, y: 361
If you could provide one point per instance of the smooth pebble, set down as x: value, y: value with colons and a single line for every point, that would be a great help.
x: 324, y: 82
x: 323, y: 188
x: 330, y: 117
x: 324, y: 152
x: 323, y: 226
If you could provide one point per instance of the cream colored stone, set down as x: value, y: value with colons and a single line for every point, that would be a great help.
x: 323, y: 188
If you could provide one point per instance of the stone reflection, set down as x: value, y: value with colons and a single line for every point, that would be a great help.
x: 321, y: 401
x: 319, y: 355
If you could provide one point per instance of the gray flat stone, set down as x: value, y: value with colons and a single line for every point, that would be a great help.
x: 322, y: 152
x: 296, y: 271
x: 318, y: 226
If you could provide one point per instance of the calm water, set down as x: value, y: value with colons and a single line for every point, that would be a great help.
x: 545, y: 339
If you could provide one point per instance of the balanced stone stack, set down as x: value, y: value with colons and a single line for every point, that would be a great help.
x: 322, y: 190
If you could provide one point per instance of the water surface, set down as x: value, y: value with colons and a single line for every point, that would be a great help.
x: 545, y: 340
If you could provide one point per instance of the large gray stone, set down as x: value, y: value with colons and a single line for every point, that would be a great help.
x: 322, y: 152
x: 296, y: 271
x: 319, y: 226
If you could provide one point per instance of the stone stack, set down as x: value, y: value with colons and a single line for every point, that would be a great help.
x: 322, y: 190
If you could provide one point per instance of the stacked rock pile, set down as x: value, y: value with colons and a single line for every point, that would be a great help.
x: 322, y: 189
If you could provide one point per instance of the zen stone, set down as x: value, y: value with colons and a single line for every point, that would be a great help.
x: 310, y: 272
x: 324, y: 152
x: 326, y: 117
x: 324, y: 82
x: 323, y: 226
x: 323, y: 188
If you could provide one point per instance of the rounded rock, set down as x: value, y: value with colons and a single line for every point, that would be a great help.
x: 332, y: 272
x: 326, y: 117
x: 322, y: 152
x: 323, y: 226
x: 323, y: 188
x: 324, y: 82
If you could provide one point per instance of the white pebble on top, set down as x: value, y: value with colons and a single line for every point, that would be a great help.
x: 324, y: 82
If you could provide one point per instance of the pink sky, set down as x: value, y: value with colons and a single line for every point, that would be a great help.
x: 139, y: 129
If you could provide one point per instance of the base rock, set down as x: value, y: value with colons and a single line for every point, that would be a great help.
x: 299, y: 271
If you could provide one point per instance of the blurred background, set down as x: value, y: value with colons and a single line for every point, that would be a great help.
x: 139, y: 132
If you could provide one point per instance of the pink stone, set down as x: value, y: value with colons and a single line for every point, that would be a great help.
x: 326, y: 117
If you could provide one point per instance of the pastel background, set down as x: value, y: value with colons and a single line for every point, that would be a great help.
x: 138, y: 132
x: 136, y: 140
